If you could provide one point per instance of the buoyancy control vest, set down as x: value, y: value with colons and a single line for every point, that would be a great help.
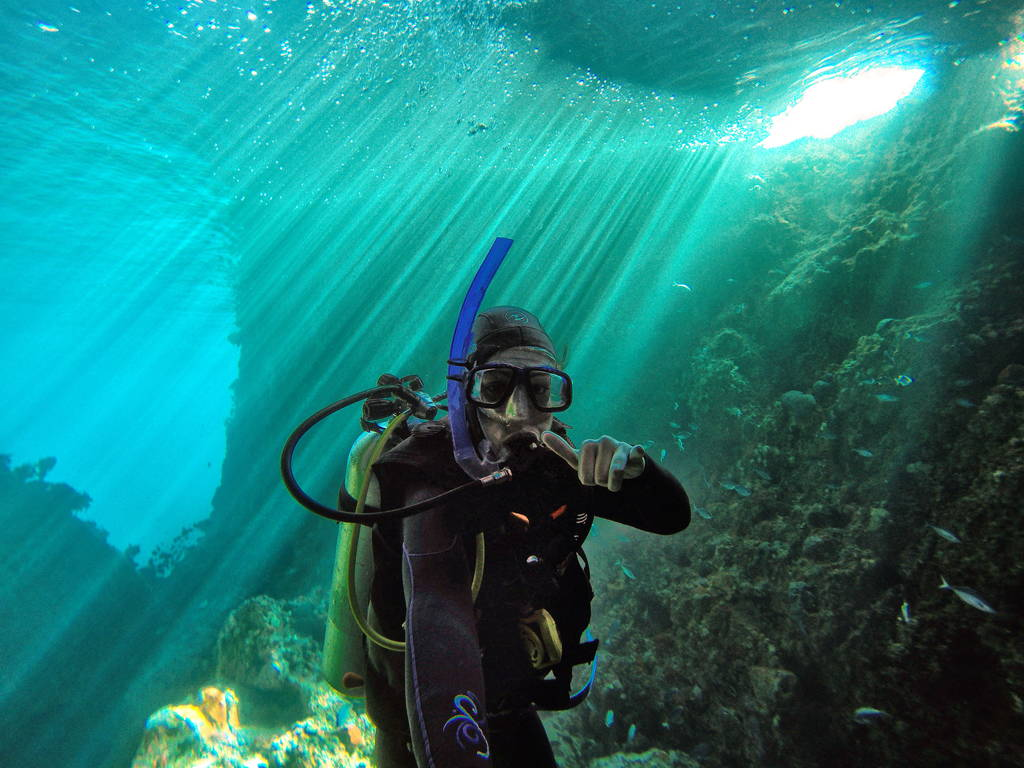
x: 536, y: 582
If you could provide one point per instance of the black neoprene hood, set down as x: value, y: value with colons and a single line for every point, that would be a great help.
x: 505, y: 327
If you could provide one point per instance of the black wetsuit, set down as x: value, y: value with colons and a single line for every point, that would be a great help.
x: 457, y: 650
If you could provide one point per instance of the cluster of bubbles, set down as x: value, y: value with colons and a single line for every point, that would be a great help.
x: 374, y: 35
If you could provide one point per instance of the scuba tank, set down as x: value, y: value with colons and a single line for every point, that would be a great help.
x: 343, y: 662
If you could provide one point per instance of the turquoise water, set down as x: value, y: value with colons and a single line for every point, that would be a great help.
x: 216, y: 217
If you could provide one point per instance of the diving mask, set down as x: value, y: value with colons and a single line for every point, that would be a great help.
x: 491, y: 384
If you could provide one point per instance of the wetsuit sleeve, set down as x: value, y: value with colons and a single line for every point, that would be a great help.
x: 655, y: 501
x: 443, y: 673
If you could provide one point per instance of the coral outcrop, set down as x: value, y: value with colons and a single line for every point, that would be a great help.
x: 283, y: 716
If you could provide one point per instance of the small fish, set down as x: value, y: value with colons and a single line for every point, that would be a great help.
x: 682, y: 285
x: 925, y: 284
x: 674, y: 425
x: 947, y: 535
x: 631, y: 734
x: 625, y: 569
x: 869, y: 382
x: 703, y: 512
x: 733, y: 411
x: 609, y: 718
x: 969, y: 596
x: 961, y: 383
x: 914, y: 336
x: 866, y: 715
x: 763, y: 475
x: 742, y: 490
x: 662, y: 455
x: 727, y: 485
x: 963, y: 402
x: 47, y: 27
x: 905, y: 613
x: 675, y: 406
x: 904, y: 380
x: 863, y: 452
x: 886, y: 398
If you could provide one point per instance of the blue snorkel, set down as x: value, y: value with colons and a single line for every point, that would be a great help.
x: 462, y: 441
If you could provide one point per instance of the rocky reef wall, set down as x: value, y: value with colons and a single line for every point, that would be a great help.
x: 862, y: 388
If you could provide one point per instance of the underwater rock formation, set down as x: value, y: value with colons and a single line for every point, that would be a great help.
x: 207, y: 731
x: 862, y: 410
x: 292, y: 718
x: 63, y: 589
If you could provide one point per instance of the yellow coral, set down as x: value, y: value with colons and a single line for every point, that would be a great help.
x: 216, y: 715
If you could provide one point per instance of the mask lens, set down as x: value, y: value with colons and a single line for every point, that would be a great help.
x: 489, y: 386
x: 548, y: 390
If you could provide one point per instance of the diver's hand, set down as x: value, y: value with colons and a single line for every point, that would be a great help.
x: 605, y: 462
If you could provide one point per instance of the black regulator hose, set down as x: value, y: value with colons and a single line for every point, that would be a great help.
x: 367, y: 518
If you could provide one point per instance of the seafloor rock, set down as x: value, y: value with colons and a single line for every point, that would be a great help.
x: 293, y: 719
x: 799, y: 405
x: 205, y: 733
x: 258, y: 647
x: 652, y: 758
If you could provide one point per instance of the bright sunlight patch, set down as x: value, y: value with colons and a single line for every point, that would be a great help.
x: 833, y: 104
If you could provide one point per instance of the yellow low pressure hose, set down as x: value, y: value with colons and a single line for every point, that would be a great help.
x: 353, y: 546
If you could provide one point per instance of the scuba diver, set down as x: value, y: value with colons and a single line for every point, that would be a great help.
x: 477, y: 667
x: 478, y: 592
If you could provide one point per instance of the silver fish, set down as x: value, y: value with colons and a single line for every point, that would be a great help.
x: 865, y: 715
x: 947, y: 535
x: 969, y: 596
x: 905, y: 613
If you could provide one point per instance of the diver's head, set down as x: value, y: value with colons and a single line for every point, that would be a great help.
x: 514, y: 385
x: 501, y: 328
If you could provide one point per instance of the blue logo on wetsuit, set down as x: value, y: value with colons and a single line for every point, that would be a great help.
x: 469, y: 733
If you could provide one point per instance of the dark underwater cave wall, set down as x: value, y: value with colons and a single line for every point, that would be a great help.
x: 71, y: 607
x: 863, y: 381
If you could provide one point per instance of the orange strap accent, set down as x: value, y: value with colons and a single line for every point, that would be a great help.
x: 558, y: 512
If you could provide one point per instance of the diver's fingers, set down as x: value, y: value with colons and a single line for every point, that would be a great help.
x: 559, y: 446
x: 604, y: 462
x: 617, y: 468
x: 588, y: 459
x: 636, y: 463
